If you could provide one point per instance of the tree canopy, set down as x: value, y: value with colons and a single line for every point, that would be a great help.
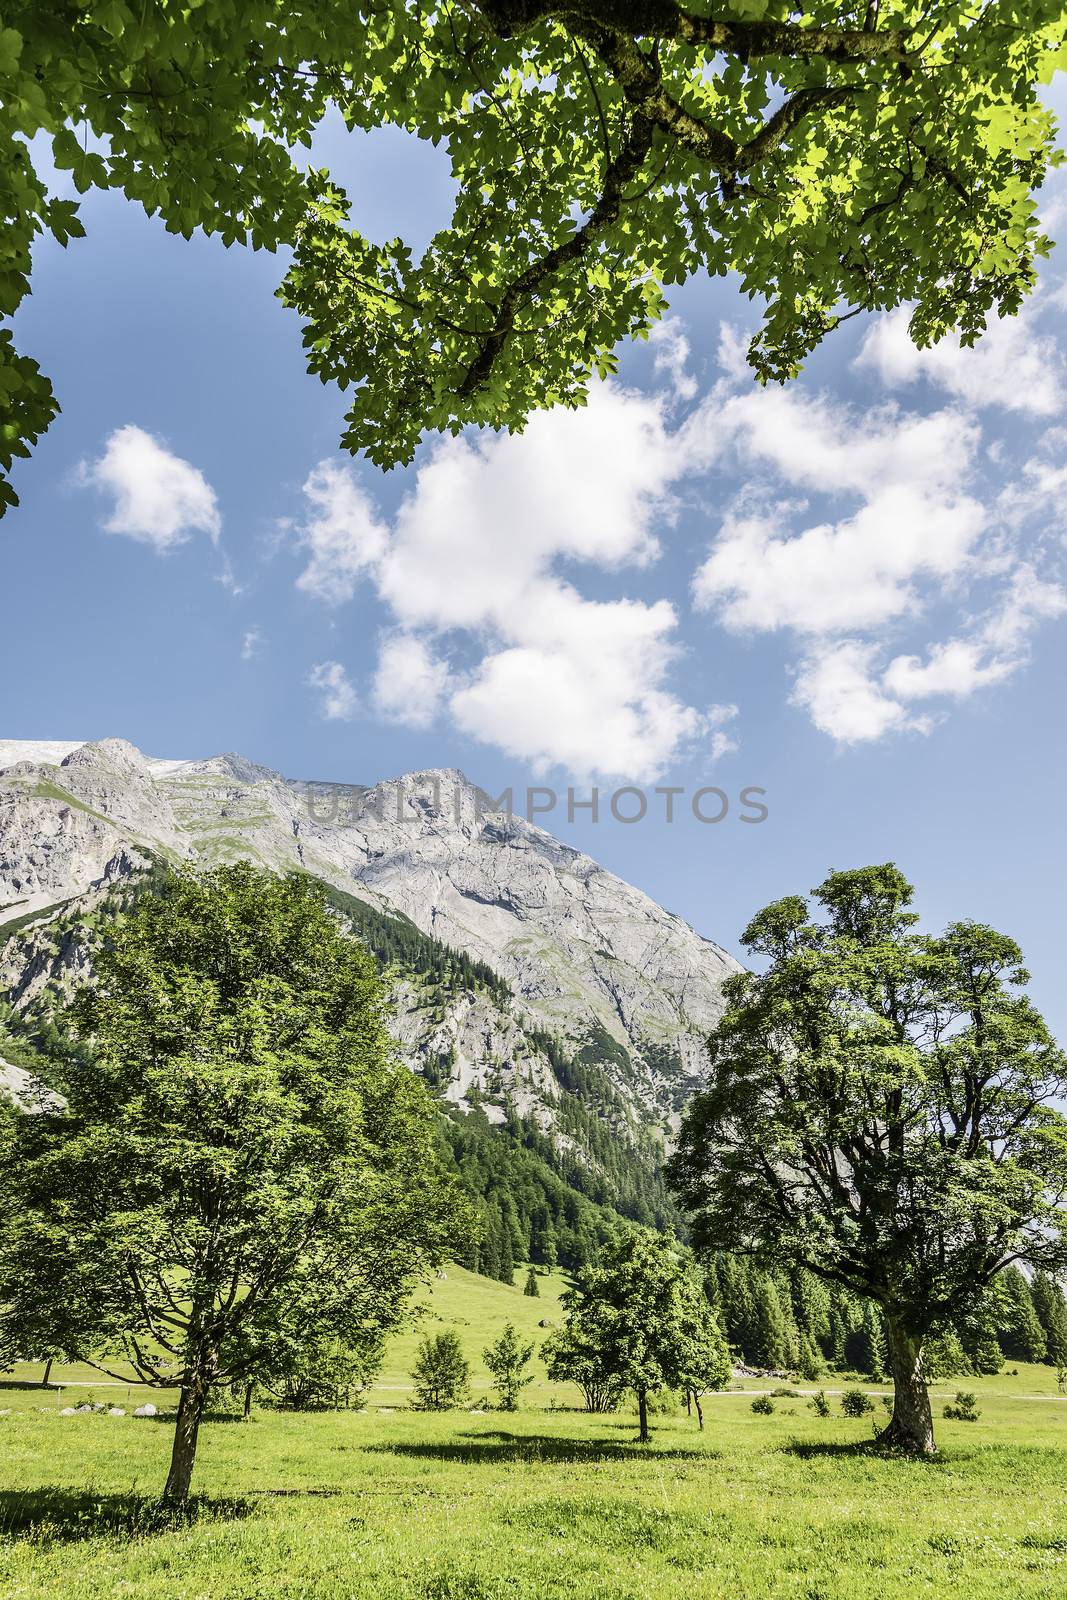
x: 838, y: 157
x: 638, y: 1320
x: 243, y: 1167
x: 879, y: 1112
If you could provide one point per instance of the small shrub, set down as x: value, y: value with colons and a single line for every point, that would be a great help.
x: 785, y: 1394
x: 855, y: 1403
x: 763, y: 1405
x: 965, y: 1408
x: 663, y: 1403
x: 819, y: 1404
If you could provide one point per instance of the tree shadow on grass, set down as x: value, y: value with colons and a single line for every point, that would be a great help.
x: 856, y: 1450
x: 498, y: 1446
x: 67, y: 1516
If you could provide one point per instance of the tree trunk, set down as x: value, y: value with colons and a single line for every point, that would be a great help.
x: 183, y: 1454
x: 689, y: 1402
x: 911, y: 1427
x: 248, y: 1398
x: 642, y: 1414
x: 700, y: 1414
x: 47, y: 1373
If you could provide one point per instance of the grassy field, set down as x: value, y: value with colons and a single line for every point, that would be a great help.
x: 395, y: 1505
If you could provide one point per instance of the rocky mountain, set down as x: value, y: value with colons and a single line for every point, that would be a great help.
x: 522, y: 969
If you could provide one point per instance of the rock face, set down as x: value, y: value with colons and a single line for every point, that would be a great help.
x: 588, y: 958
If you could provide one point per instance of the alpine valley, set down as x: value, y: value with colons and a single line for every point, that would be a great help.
x: 557, y: 1013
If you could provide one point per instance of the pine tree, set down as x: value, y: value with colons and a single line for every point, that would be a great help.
x: 1050, y: 1305
x: 1021, y: 1336
x: 865, y: 1346
x: 506, y: 1271
x: 767, y: 1344
x: 810, y: 1363
x: 531, y: 1286
x: 838, y: 1333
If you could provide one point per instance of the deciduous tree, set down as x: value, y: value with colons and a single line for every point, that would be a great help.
x: 243, y: 1162
x: 638, y: 1320
x: 879, y: 1111
x: 441, y: 1373
x: 507, y: 1360
x: 837, y: 157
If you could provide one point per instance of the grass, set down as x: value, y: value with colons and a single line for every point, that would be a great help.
x: 388, y: 1504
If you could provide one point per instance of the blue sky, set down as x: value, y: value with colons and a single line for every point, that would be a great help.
x: 847, y: 593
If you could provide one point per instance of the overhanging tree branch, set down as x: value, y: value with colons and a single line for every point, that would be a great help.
x: 660, y: 19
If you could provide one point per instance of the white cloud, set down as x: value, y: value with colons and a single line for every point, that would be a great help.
x: 733, y: 351
x: 671, y: 358
x: 998, y: 647
x: 251, y: 643
x: 1012, y: 365
x: 160, y: 499
x: 343, y: 534
x: 338, y: 699
x: 854, y: 698
x: 859, y: 571
x: 410, y: 681
x: 502, y: 570
x: 918, y: 529
x: 716, y: 718
x: 838, y: 686
x: 473, y: 561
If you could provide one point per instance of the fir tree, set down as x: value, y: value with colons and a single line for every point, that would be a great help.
x: 865, y: 1346
x: 531, y: 1286
x: 1021, y: 1336
x: 1050, y: 1306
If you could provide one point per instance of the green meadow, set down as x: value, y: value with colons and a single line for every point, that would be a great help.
x: 483, y: 1505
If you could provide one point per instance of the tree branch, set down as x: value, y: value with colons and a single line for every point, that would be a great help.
x: 662, y: 19
x: 622, y: 170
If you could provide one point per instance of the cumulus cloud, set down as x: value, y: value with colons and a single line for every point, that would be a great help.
x: 1012, y: 366
x: 902, y: 523
x: 671, y: 358
x: 508, y: 570
x: 410, y: 682
x: 159, y: 499
x: 838, y: 686
x: 337, y: 696
x: 915, y: 518
x: 342, y: 534
x: 483, y: 562
x: 997, y: 647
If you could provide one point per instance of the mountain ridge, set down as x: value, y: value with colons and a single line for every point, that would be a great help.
x: 587, y: 958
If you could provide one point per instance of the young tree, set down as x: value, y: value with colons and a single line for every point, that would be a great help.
x: 243, y: 1161
x: 507, y: 1361
x: 441, y: 1373
x: 531, y: 1287
x: 896, y: 150
x: 638, y: 1320
x: 878, y: 1111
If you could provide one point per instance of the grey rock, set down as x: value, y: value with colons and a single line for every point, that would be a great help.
x: 148, y: 1410
x: 587, y: 956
